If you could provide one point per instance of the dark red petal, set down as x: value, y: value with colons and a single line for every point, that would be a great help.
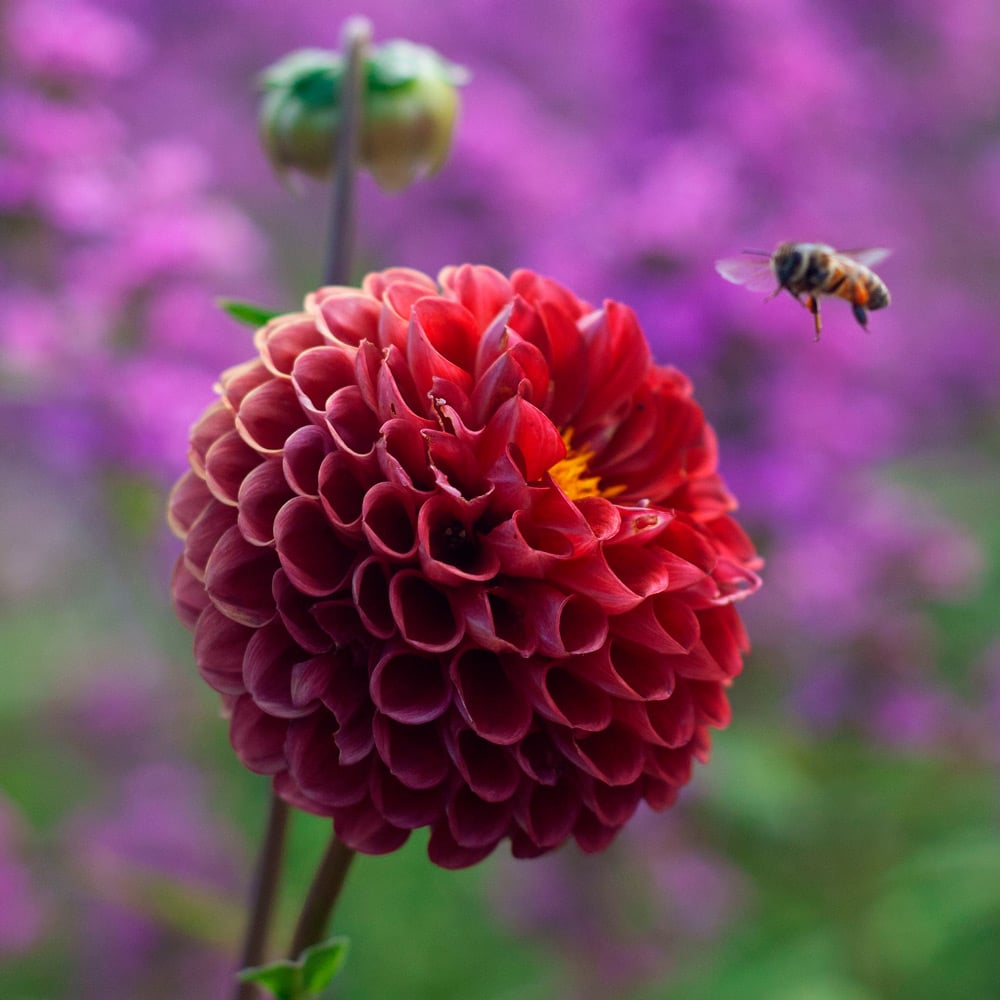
x: 261, y: 496
x: 318, y: 374
x: 295, y: 609
x: 592, y: 576
x: 495, y: 619
x: 345, y: 314
x: 227, y: 464
x: 405, y: 807
x: 540, y: 759
x: 219, y: 645
x: 342, y: 487
x: 354, y: 427
x: 423, y: 613
x: 316, y: 560
x: 613, y: 806
x: 451, y: 549
x: 339, y: 619
x: 402, y: 456
x: 188, y: 594
x: 370, y: 589
x: 257, y: 738
x: 441, y: 343
x: 313, y: 762
x: 627, y: 671
x: 238, y: 579
x: 414, y: 754
x: 310, y: 680
x: 240, y: 380
x: 268, y: 415
x: 591, y: 835
x: 660, y: 795
x: 362, y: 827
x: 267, y: 671
x: 389, y: 521
x: 489, y: 770
x: 711, y: 704
x: 445, y: 852
x: 204, y: 534
x: 670, y: 766
x: 614, y: 755
x: 565, y: 624
x: 667, y: 723
x: 408, y: 687
x: 218, y: 419
x: 556, y: 693
x: 662, y: 623
x: 723, y: 635
x: 521, y: 428
x: 189, y: 497
x: 482, y: 290
x: 548, y: 813
x: 302, y: 457
x: 284, y: 338
x: 487, y: 699
x: 475, y: 822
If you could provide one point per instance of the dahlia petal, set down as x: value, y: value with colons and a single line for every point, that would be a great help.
x: 520, y: 371
x: 613, y: 806
x: 487, y: 699
x: 414, y: 754
x: 476, y: 822
x: 238, y: 381
x: 423, y: 613
x: 268, y: 415
x: 455, y: 466
x: 342, y: 488
x: 263, y: 492
x: 319, y: 373
x: 353, y: 425
x: 397, y: 394
x: 389, y: 521
x: 523, y: 847
x: 711, y: 704
x: 614, y: 755
x: 189, y: 497
x: 314, y: 765
x: 618, y: 355
x: 355, y: 739
x: 339, y: 619
x: 548, y: 813
x: 219, y: 646
x: 346, y: 692
x: 627, y: 671
x: 441, y: 343
x: 450, y: 548
x: 690, y: 545
x: 405, y: 807
x: 557, y: 694
x: 543, y: 291
x: 722, y: 632
x: 295, y: 610
x: 398, y: 301
x: 215, y: 519
x: 227, y: 463
x: 370, y: 589
x: 238, y: 579
x: 662, y: 623
x: 444, y: 851
x: 188, y: 594
x: 489, y: 770
x: 409, y: 688
x: 518, y: 428
x: 482, y: 290
x: 566, y: 624
x: 603, y: 517
x: 257, y: 738
x: 667, y: 723
x: 309, y: 682
x: 669, y: 765
x: 267, y: 671
x: 284, y: 339
x: 345, y: 314
x: 402, y: 456
x: 697, y: 664
x: 218, y: 419
x: 591, y: 835
x: 540, y: 759
x: 564, y: 349
x: 644, y: 571
x: 660, y: 795
x: 592, y: 576
x: 362, y: 827
x: 494, y: 619
x: 315, y: 559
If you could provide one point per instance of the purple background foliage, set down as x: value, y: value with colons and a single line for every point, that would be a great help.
x: 620, y: 148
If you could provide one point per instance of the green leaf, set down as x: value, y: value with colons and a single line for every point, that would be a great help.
x: 305, y: 978
x: 247, y: 312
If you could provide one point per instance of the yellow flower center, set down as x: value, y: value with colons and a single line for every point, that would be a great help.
x: 571, y: 474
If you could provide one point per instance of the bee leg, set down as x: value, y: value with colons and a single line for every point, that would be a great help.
x: 861, y: 316
x: 812, y: 304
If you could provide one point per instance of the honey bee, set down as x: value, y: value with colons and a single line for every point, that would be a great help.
x: 812, y: 270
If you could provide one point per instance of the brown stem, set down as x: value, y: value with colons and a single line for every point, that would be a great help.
x: 263, y: 893
x: 322, y: 898
x: 355, y: 39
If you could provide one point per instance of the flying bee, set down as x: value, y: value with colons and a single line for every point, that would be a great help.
x: 812, y: 270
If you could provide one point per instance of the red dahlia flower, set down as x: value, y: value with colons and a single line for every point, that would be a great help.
x: 459, y: 557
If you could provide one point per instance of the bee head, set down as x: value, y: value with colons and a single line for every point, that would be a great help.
x: 787, y: 263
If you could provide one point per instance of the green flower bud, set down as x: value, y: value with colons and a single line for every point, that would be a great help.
x: 410, y: 105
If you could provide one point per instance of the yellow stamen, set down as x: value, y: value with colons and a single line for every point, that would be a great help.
x: 570, y: 473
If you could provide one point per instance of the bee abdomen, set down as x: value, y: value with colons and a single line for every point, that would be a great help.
x: 878, y: 294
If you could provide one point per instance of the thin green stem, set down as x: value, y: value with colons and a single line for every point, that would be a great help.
x: 355, y: 40
x: 322, y: 898
x: 263, y: 893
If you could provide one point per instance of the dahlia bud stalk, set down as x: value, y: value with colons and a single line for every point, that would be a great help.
x: 408, y: 116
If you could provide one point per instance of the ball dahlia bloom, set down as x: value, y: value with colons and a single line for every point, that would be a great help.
x: 458, y: 556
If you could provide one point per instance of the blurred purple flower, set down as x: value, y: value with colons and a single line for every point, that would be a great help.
x: 22, y: 912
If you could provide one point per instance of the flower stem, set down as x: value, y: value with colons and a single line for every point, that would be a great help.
x: 265, y: 886
x: 355, y: 38
x: 322, y: 898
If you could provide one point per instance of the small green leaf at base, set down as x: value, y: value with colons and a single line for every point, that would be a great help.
x: 247, y: 312
x: 306, y: 977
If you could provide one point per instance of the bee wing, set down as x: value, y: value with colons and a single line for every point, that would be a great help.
x: 869, y: 256
x: 754, y: 273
